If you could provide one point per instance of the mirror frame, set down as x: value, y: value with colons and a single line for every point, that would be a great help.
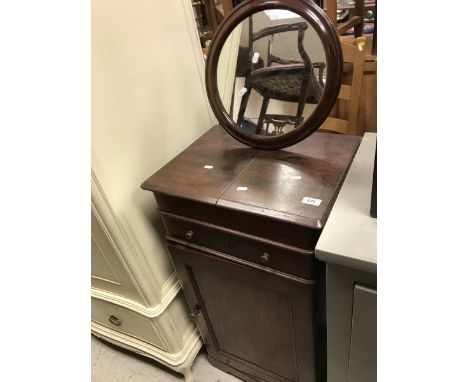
x: 318, y: 19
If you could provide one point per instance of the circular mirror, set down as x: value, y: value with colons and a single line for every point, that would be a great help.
x: 274, y: 72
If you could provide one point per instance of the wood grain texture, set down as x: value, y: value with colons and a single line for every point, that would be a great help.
x: 259, y: 324
x: 320, y: 161
x: 186, y: 175
x: 367, y: 121
x: 243, y: 246
x: 266, y: 253
x: 353, y: 53
x: 274, y: 190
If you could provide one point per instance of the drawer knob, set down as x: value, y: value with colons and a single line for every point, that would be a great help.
x: 265, y: 258
x: 115, y: 321
x: 189, y: 235
x: 195, y: 311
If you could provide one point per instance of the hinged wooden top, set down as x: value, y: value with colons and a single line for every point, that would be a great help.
x: 297, y: 185
x: 204, y: 170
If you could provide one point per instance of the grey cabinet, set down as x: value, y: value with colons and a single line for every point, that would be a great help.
x: 351, y: 324
x: 348, y: 246
x: 363, y: 346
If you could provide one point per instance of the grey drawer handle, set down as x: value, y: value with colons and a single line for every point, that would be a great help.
x: 115, y: 321
x: 265, y: 258
x: 189, y: 235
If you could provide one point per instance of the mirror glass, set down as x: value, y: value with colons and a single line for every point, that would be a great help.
x: 271, y: 72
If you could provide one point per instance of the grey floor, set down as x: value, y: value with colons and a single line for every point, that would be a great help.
x: 110, y: 364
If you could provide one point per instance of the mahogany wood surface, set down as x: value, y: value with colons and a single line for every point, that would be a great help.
x: 245, y: 257
x: 353, y: 53
x: 261, y: 325
x: 321, y: 161
x: 186, y: 175
x: 266, y: 253
x: 273, y: 190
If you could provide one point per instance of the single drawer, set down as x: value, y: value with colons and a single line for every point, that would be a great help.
x: 125, y: 321
x: 267, y: 253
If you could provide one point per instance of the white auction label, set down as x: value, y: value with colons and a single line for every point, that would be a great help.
x: 255, y: 57
x: 242, y: 188
x: 311, y: 201
x: 208, y: 166
x: 242, y: 91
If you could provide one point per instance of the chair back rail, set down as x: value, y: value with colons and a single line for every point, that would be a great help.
x: 354, y: 54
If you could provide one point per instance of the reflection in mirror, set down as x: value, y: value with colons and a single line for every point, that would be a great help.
x: 271, y: 72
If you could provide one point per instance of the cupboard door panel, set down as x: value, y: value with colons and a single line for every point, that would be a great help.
x: 107, y: 269
x: 262, y: 315
x: 250, y: 319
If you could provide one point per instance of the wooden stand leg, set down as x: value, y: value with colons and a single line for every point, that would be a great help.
x: 265, y: 102
x: 243, y: 106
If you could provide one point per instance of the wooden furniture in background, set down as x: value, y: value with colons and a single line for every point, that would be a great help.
x: 359, y: 11
x: 216, y: 11
x: 367, y: 116
x: 356, y: 21
x: 353, y: 54
x: 241, y: 230
x: 208, y: 15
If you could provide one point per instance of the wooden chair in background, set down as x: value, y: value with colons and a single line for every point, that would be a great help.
x: 216, y: 11
x: 356, y: 21
x: 353, y: 54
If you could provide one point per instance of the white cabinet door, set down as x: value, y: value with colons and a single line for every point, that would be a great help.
x: 108, y: 272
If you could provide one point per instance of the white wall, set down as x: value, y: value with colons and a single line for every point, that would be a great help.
x: 148, y: 104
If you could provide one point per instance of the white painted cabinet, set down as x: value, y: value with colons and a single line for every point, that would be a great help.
x: 120, y: 313
x: 148, y: 104
x: 108, y: 270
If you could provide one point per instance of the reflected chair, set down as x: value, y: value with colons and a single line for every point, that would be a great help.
x: 282, y: 79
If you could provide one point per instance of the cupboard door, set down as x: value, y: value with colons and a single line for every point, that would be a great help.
x: 108, y: 271
x: 251, y: 320
x: 363, y: 347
